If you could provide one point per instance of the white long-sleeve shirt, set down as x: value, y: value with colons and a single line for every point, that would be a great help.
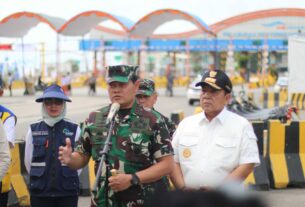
x: 9, y: 127
x: 5, y: 158
x: 208, y: 151
x: 7, y: 134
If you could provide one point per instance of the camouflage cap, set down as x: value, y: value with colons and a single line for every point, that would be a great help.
x: 147, y: 87
x: 121, y: 73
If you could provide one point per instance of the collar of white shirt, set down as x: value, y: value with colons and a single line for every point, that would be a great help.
x: 221, y: 117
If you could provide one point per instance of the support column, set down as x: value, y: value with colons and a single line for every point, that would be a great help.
x: 95, y: 62
x: 213, y: 65
x: 139, y: 57
x: 104, y: 64
x: 129, y: 56
x: 58, y: 69
x: 43, y: 62
x: 187, y: 62
x: 22, y: 54
x: 174, y: 59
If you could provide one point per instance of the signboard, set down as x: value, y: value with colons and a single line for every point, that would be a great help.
x: 5, y: 47
x: 265, y: 28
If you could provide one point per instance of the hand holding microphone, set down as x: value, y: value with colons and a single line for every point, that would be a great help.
x: 114, y: 172
x: 119, y: 181
x: 112, y: 112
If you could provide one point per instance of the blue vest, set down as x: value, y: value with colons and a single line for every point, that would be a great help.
x: 48, y: 177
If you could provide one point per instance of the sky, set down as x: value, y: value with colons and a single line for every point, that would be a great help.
x: 210, y: 11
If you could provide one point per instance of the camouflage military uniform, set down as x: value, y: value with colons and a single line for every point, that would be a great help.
x: 138, y: 140
x: 171, y: 127
x: 147, y: 88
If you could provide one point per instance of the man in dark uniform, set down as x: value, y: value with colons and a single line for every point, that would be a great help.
x: 147, y: 97
x: 140, y: 151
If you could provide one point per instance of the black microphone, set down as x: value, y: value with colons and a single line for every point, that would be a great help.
x: 112, y: 112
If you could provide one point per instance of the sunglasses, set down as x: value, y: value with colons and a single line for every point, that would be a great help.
x: 53, y: 101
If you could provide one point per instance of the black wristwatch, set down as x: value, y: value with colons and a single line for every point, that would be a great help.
x: 135, y: 180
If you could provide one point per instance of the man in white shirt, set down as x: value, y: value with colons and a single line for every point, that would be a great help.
x: 5, y: 160
x: 4, y: 157
x: 8, y: 122
x: 216, y: 145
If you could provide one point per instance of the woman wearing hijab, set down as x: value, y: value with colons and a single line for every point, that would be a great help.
x: 51, y: 183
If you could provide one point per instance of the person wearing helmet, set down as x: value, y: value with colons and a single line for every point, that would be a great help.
x: 51, y: 183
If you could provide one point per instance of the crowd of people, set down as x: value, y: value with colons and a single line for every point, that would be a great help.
x: 142, y: 152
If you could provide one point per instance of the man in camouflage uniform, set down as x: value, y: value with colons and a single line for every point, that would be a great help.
x: 147, y: 97
x: 140, y: 149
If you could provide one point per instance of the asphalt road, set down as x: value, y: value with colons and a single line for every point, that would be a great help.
x: 272, y: 198
x: 27, y: 111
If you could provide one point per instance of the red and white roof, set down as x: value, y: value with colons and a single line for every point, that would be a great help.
x: 18, y: 24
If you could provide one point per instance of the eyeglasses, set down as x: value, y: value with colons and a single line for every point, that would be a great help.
x: 51, y: 101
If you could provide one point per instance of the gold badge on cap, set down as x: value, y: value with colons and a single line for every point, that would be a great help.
x: 187, y: 153
x: 213, y: 74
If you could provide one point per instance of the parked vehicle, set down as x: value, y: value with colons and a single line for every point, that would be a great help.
x: 281, y: 83
x: 247, y: 108
x: 193, y: 92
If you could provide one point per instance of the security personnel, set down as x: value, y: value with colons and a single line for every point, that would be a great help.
x: 140, y: 151
x: 51, y: 183
x: 147, y: 97
x: 8, y: 122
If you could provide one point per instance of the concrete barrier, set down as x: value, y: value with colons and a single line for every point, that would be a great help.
x: 19, y: 195
x: 273, y: 99
x: 258, y: 179
x: 87, y: 178
x: 286, y: 154
x: 298, y: 100
x: 177, y: 116
x: 197, y: 110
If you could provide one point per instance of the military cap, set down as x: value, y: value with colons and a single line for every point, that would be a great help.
x: 147, y: 87
x: 216, y: 79
x: 121, y: 73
